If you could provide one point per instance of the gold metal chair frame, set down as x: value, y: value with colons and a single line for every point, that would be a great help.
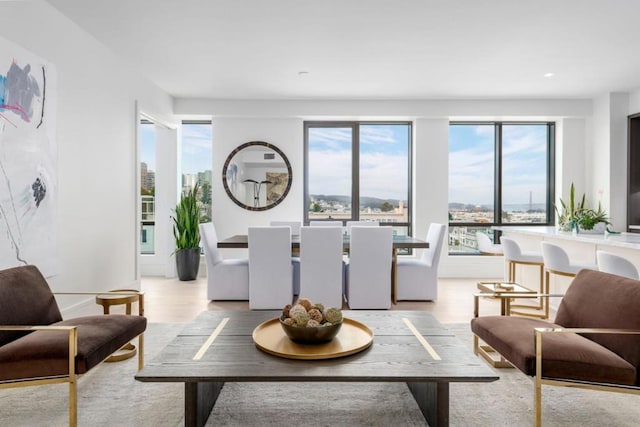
x: 543, y: 303
x: 72, y: 377
x: 540, y: 380
x: 486, y: 351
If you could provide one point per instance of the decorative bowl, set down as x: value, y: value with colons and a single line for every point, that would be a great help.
x: 311, y: 335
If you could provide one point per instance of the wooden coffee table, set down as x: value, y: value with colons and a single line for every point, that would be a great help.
x: 408, y: 346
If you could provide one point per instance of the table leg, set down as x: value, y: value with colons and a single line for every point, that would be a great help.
x: 433, y: 400
x: 199, y: 399
x: 394, y: 276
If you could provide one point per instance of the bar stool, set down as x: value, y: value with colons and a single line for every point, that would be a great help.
x: 615, y: 264
x: 556, y: 261
x: 128, y: 350
x: 514, y: 255
x: 486, y: 246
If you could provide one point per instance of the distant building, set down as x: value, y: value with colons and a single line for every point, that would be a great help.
x: 147, y: 177
x: 205, y: 176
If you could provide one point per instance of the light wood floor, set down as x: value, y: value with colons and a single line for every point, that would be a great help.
x: 173, y: 301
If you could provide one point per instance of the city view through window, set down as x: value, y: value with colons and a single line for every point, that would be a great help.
x: 195, y: 168
x: 478, y: 197
x: 359, y: 171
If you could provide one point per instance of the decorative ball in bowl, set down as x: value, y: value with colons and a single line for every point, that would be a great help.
x: 309, y: 323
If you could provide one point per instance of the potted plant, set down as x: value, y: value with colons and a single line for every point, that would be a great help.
x: 186, y: 231
x: 578, y: 216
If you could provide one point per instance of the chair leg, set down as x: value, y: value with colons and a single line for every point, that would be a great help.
x: 538, y: 402
x: 512, y: 271
x: 546, y: 292
x: 140, y: 351
x: 73, y: 402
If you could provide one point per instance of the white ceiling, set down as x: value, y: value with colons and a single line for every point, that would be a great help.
x: 372, y: 49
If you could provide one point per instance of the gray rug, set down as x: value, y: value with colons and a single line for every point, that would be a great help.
x: 109, y: 396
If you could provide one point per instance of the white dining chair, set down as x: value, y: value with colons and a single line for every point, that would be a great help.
x: 615, y: 264
x: 417, y: 279
x: 351, y: 224
x: 368, y: 272
x: 316, y: 223
x: 227, y: 279
x: 321, y: 265
x: 486, y: 246
x: 270, y: 269
x: 295, y: 258
x: 294, y: 225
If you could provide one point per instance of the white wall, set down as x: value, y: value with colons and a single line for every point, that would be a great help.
x: 606, y: 150
x: 634, y: 102
x: 96, y: 123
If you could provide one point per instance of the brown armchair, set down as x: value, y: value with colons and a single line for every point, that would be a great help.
x: 593, y: 343
x: 38, y: 347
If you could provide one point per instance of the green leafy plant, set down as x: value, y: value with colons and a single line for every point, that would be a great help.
x: 186, y: 220
x: 574, y: 216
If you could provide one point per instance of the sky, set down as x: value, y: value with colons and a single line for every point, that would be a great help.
x: 471, y: 164
x: 196, y: 147
x: 383, y: 161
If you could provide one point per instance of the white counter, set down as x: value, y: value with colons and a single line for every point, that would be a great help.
x: 580, y: 248
x: 622, y: 240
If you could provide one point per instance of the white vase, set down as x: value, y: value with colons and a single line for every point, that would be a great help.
x: 599, y: 228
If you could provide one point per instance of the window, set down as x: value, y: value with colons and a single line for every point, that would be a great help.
x: 147, y: 186
x: 197, y: 157
x: 499, y: 173
x: 358, y: 171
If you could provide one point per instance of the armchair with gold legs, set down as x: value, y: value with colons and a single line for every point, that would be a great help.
x: 37, y: 347
x: 592, y: 343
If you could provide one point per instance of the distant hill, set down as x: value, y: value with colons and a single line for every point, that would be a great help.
x: 367, y: 202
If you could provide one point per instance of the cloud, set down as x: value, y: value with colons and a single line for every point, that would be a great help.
x: 383, y: 160
x: 381, y: 175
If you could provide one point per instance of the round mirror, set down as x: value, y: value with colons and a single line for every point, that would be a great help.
x: 257, y: 176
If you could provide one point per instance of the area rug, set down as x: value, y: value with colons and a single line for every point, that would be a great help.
x: 109, y: 396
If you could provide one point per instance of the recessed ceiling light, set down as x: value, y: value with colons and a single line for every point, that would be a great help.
x: 303, y: 73
x: 547, y: 75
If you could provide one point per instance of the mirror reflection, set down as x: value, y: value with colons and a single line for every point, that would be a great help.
x: 257, y: 175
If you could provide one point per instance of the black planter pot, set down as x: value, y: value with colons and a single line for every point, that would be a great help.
x: 188, y: 263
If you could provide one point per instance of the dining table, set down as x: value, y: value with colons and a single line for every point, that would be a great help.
x: 241, y: 241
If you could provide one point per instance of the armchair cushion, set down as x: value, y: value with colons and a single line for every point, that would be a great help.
x: 566, y: 355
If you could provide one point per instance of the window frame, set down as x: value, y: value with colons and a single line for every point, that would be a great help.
x: 355, y: 168
x: 498, y: 184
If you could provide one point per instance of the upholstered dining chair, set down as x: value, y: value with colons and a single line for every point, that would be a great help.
x: 418, y: 278
x: 295, y: 258
x: 351, y: 224
x: 294, y: 225
x: 486, y: 246
x: 615, y: 264
x: 227, y: 279
x: 325, y: 223
x: 321, y: 265
x: 368, y: 272
x: 270, y: 269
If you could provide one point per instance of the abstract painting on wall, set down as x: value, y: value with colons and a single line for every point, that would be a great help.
x: 28, y: 172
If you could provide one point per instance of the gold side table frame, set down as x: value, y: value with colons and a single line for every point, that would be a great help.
x: 542, y: 303
x: 502, y: 290
x: 128, y: 350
